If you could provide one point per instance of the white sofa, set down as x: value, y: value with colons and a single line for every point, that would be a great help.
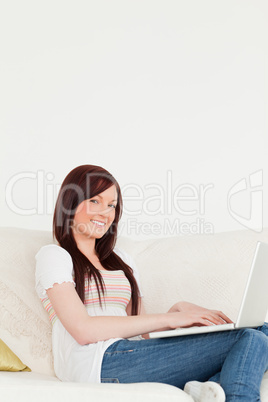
x: 210, y: 270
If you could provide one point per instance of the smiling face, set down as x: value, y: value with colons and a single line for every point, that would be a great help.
x: 94, y: 216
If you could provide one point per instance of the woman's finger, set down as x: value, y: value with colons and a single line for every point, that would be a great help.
x: 223, y: 316
x: 214, y: 318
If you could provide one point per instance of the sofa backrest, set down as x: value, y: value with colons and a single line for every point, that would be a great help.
x: 209, y: 270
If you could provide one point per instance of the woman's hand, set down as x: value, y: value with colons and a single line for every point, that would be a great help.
x: 199, y: 315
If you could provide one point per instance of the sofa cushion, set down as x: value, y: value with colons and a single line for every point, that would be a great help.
x: 32, y: 387
x: 9, y: 361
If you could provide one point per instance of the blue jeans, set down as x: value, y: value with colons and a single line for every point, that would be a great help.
x: 235, y: 359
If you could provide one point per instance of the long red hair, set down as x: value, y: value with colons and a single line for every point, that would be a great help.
x: 82, y: 183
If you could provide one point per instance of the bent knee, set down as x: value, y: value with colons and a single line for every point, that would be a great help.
x: 256, y: 337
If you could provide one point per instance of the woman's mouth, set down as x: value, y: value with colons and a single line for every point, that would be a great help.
x: 98, y: 223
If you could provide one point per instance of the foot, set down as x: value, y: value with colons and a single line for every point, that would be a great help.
x: 205, y: 391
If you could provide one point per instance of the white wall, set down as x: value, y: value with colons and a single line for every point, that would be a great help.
x: 170, y: 96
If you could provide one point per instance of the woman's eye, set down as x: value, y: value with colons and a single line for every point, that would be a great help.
x: 112, y: 206
x: 94, y: 201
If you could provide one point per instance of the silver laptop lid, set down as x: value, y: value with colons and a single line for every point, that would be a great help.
x: 254, y: 305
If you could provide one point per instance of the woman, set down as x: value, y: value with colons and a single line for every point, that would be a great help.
x: 91, y: 292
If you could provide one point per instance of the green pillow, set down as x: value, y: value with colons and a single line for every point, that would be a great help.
x: 9, y: 361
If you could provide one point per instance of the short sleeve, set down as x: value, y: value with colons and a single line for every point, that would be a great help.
x: 131, y: 263
x: 53, y: 265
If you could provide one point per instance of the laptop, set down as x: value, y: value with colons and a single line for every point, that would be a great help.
x: 254, y: 304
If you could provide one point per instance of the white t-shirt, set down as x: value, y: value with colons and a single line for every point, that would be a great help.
x: 72, y: 361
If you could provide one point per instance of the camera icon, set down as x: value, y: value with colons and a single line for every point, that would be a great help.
x: 250, y: 193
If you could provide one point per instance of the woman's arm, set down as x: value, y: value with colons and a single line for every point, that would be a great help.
x: 86, y: 329
x: 141, y: 311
